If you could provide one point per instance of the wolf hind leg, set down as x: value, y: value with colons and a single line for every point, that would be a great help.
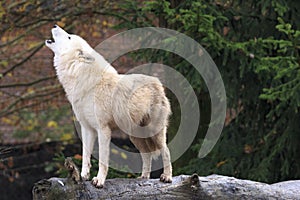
x: 146, y: 169
x: 166, y: 176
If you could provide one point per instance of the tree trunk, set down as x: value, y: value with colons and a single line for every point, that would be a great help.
x: 183, y: 187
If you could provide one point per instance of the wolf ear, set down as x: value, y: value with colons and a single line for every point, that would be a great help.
x: 84, y: 57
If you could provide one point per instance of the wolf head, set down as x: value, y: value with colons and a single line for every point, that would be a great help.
x: 64, y: 42
x: 70, y: 48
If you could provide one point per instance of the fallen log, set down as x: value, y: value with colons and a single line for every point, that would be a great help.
x: 182, y: 187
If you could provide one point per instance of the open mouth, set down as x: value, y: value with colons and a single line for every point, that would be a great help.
x: 50, y: 41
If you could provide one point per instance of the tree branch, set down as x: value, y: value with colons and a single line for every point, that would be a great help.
x: 23, y: 61
x: 27, y: 84
x: 43, y: 92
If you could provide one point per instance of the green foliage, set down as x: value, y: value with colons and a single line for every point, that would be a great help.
x: 256, y: 45
x: 53, y: 124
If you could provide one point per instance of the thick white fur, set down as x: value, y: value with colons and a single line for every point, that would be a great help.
x: 103, y: 100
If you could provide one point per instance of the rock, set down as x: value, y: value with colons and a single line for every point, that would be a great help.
x: 291, y: 186
x: 223, y: 187
x: 182, y: 187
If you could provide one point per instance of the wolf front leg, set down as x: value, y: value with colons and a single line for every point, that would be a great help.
x: 88, y: 140
x: 104, y: 136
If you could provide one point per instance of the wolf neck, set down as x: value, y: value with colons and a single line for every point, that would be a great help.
x: 79, y: 78
x: 103, y: 64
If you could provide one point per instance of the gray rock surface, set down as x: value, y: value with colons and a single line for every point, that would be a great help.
x: 182, y: 187
x: 291, y: 186
x: 224, y: 187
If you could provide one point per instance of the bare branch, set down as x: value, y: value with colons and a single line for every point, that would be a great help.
x: 27, y: 84
x: 43, y: 92
x: 23, y: 61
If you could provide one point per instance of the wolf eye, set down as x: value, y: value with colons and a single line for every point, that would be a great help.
x: 69, y: 38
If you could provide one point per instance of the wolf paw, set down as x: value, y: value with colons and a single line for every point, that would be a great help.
x: 165, y: 178
x: 97, y: 182
x: 143, y: 177
x: 85, y: 175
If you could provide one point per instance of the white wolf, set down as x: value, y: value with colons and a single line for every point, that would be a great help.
x: 103, y: 100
